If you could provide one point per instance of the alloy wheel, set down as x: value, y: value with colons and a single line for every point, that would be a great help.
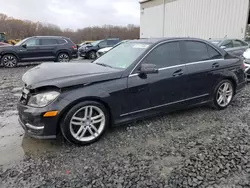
x: 63, y: 58
x: 87, y: 123
x: 9, y: 61
x: 224, y: 94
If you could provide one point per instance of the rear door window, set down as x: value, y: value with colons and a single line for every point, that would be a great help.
x: 196, y: 51
x: 165, y: 55
x: 44, y: 42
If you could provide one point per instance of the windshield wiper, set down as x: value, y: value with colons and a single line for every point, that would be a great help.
x: 105, y: 65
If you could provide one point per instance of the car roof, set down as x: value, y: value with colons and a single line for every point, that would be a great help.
x: 158, y: 40
x: 58, y: 37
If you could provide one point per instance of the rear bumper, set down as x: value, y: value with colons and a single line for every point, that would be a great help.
x: 241, y: 86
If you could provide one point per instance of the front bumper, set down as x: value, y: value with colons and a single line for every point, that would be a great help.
x: 247, y: 70
x: 34, y: 124
x: 82, y: 54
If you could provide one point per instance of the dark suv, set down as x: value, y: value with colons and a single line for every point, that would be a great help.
x: 89, y: 51
x: 46, y: 48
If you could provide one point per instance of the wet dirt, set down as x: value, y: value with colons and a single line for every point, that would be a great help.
x: 164, y: 151
x: 14, y: 144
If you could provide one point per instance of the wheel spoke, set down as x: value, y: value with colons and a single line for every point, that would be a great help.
x: 96, y: 117
x: 79, y: 131
x: 97, y: 120
x: 225, y: 87
x: 94, y: 128
x: 86, y: 112
x: 90, y: 131
x: 77, y: 118
x: 225, y: 100
x: 220, y: 91
x: 229, y: 93
x: 83, y: 133
x: 220, y: 99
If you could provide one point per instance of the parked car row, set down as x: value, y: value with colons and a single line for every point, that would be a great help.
x: 102, y: 51
x: 134, y: 80
x: 39, y: 48
x: 89, y: 50
x: 234, y: 46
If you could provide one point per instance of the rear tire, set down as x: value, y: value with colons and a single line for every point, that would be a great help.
x: 223, y: 94
x: 9, y: 61
x: 85, y: 123
x: 63, y: 57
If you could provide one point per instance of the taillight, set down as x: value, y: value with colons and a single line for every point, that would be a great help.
x: 243, y: 65
x: 74, y: 47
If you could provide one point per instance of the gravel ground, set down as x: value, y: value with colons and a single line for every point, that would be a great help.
x: 198, y: 147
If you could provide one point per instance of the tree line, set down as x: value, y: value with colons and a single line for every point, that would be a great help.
x: 20, y: 29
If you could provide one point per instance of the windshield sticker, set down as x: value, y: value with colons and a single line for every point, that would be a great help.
x: 140, y: 46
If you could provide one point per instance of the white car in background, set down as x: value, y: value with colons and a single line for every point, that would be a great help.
x: 246, y: 56
x: 102, y: 51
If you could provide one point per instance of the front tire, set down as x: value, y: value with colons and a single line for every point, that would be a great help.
x: 9, y: 61
x: 92, y: 55
x: 223, y: 94
x: 85, y: 123
x: 63, y: 57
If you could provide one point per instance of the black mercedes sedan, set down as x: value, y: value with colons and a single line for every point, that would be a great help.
x: 136, y: 79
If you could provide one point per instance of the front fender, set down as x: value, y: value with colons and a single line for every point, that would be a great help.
x: 9, y: 52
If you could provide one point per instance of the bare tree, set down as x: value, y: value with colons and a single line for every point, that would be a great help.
x: 18, y: 29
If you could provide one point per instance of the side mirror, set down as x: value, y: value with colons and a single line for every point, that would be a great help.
x: 24, y: 45
x: 148, y: 69
x: 223, y: 47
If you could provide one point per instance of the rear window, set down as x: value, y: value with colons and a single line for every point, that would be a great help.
x: 112, y: 42
x: 61, y: 41
x: 213, y: 54
x: 48, y: 42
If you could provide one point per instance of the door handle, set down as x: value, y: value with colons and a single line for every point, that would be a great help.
x: 215, y: 65
x: 178, y: 73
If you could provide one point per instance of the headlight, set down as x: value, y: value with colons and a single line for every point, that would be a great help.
x: 43, y: 99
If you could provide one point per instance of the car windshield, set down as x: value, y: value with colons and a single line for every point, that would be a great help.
x: 123, y: 55
x: 216, y: 42
x: 20, y: 42
x: 95, y: 43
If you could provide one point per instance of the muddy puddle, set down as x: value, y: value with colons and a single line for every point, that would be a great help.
x: 15, y: 144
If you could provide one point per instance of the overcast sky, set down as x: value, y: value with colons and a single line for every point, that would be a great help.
x: 74, y: 13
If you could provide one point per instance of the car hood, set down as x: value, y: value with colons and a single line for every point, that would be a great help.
x: 6, y: 47
x: 105, y: 49
x: 246, y: 54
x: 68, y: 74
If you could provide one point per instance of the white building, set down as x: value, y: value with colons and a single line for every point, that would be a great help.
x: 194, y: 18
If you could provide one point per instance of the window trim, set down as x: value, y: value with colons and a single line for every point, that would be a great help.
x: 37, y: 38
x: 132, y: 73
x: 31, y: 39
x: 141, y: 60
x: 40, y: 42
